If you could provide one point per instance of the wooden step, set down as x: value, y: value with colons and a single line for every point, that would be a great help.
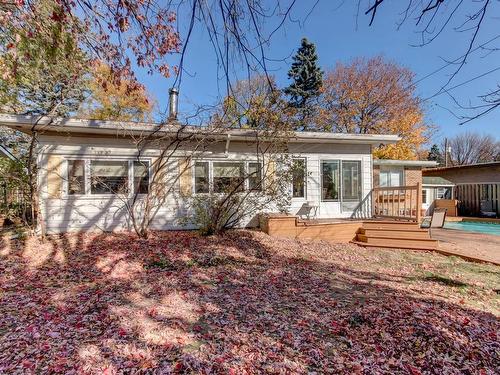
x: 390, y: 225
x: 395, y: 233
x: 403, y: 243
x: 407, y: 246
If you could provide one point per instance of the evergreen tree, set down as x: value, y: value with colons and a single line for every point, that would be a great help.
x: 307, y: 80
x: 435, y: 154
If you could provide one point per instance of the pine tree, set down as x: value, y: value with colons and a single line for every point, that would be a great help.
x: 435, y: 154
x: 307, y: 80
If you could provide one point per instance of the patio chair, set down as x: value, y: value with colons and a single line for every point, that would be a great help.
x: 309, y: 209
x: 436, y: 220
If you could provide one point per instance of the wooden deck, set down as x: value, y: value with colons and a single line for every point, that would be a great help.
x: 369, y: 233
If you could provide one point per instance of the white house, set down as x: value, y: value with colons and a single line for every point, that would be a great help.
x: 73, y: 154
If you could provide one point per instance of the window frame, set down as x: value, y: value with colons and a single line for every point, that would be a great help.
x: 67, y: 177
x: 340, y: 198
x: 211, y: 190
x: 88, y: 191
x: 304, y: 197
x: 360, y: 180
x: 339, y: 191
x: 390, y: 169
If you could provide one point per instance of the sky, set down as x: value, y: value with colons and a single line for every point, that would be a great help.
x: 340, y: 36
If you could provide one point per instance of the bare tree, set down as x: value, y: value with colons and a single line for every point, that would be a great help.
x: 470, y: 20
x: 471, y: 148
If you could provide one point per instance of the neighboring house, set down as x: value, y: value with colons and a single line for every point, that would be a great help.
x: 476, y: 187
x: 435, y: 188
x: 392, y: 173
x: 337, y: 170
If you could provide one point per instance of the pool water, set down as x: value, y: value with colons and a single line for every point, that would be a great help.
x: 488, y: 228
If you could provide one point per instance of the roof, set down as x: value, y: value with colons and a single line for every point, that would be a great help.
x: 409, y: 163
x: 64, y: 126
x: 427, y: 180
x: 468, y: 166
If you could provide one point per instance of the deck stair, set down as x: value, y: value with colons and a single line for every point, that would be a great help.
x: 394, y: 234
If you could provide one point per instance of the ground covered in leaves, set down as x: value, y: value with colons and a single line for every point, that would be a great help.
x: 241, y: 304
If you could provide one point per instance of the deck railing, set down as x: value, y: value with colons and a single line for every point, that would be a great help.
x: 397, y: 202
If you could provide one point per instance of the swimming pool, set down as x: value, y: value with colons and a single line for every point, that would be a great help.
x: 470, y: 226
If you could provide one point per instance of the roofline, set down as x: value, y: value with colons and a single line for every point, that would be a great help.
x: 477, y: 165
x: 27, y: 124
x: 410, y: 163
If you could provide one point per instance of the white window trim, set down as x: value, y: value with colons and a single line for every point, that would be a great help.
x: 88, y: 194
x: 304, y: 198
x: 340, y: 199
x: 211, y: 173
x: 390, y: 169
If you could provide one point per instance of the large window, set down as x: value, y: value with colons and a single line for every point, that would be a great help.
x: 299, y: 178
x: 108, y: 177
x: 330, y: 180
x: 220, y: 177
x: 351, y: 181
x: 201, y: 184
x: 391, y: 177
x: 76, y: 177
x: 228, y: 176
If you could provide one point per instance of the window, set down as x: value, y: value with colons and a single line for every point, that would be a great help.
x: 76, y: 177
x: 443, y: 193
x: 227, y: 176
x: 254, y: 176
x: 299, y: 178
x: 351, y: 181
x: 391, y: 177
x: 141, y: 177
x: 108, y: 177
x: 201, y: 177
x: 330, y: 180
x: 424, y: 196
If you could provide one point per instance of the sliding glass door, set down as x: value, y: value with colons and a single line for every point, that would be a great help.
x: 341, y: 184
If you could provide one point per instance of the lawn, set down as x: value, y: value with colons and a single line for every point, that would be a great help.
x: 243, y: 303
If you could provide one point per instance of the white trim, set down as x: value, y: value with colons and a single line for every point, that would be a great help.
x: 304, y: 198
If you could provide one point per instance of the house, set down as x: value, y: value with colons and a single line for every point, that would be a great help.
x: 393, y: 173
x: 75, y: 156
x: 435, y: 190
x: 476, y: 187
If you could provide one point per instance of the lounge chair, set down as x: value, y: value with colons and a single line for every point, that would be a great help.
x: 436, y: 220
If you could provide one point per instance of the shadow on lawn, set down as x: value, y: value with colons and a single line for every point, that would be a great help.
x: 181, y: 303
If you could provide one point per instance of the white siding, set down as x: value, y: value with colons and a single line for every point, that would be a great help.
x: 108, y: 213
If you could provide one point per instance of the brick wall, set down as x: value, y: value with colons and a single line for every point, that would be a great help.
x: 413, y: 175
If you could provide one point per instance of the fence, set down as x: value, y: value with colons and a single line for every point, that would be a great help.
x: 14, y: 201
x: 394, y: 202
x: 474, y: 198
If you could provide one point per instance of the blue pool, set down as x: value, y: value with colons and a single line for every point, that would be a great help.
x: 470, y: 226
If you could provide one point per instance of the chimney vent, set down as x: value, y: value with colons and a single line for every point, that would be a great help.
x: 173, y: 95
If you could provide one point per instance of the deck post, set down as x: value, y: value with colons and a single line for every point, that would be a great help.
x: 419, y: 200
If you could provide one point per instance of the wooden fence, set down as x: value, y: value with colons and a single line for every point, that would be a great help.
x: 474, y: 198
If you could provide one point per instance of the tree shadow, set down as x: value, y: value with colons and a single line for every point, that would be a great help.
x: 181, y: 303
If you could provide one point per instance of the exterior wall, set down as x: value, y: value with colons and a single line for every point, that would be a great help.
x: 62, y: 212
x: 413, y: 175
x: 376, y: 175
x: 471, y: 175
